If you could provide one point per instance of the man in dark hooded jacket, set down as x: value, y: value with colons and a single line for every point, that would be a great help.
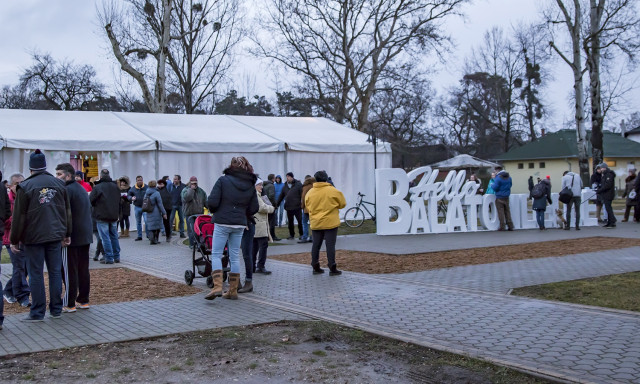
x: 292, y: 196
x: 607, y: 192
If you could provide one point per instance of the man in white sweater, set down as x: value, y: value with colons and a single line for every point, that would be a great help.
x: 574, y: 182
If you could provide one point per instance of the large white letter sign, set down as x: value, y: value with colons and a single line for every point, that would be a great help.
x: 425, y: 205
x: 392, y: 186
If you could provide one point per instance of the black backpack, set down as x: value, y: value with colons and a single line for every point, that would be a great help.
x: 147, y: 205
x: 538, y: 191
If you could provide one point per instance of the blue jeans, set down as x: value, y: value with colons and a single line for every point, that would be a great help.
x: 247, y: 250
x: 305, y: 226
x: 180, y: 213
x: 280, y: 212
x: 139, y: 216
x: 540, y: 218
x: 37, y: 255
x: 221, y: 235
x: 17, y: 286
x: 109, y: 236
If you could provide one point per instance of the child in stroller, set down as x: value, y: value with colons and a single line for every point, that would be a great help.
x: 203, y: 230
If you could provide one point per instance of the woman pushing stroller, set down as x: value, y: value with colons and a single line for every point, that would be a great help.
x: 233, y: 201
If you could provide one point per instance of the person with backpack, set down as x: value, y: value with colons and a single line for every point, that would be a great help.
x: 502, y: 187
x: 541, y: 194
x: 152, y: 204
x: 607, y: 193
x: 574, y: 183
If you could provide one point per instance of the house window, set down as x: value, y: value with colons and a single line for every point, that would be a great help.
x: 531, y: 165
x: 542, y: 164
x: 520, y: 165
x: 610, y: 163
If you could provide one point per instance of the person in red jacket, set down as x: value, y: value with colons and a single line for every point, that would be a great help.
x: 80, y: 180
x: 17, y: 288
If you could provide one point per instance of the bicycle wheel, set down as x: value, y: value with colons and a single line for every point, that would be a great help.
x: 354, y: 217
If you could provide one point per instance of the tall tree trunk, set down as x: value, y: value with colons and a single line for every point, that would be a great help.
x: 593, y: 64
x: 160, y: 92
x: 581, y: 131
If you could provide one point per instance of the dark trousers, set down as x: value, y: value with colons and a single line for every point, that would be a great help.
x: 540, y: 218
x: 329, y: 236
x: 37, y: 255
x: 167, y: 226
x: 124, y: 223
x: 75, y: 274
x: 1, y: 302
x: 627, y: 211
x: 260, y: 245
x: 17, y: 285
x: 504, y: 212
x: 246, y: 244
x: 297, y: 213
x: 272, y: 224
x: 575, y: 202
x: 611, y: 219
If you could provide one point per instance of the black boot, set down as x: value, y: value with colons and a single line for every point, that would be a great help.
x: 333, y: 270
x: 316, y: 269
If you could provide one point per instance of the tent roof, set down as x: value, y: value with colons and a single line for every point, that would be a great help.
x: 562, y: 145
x: 311, y: 134
x: 200, y: 133
x: 125, y: 131
x: 462, y: 162
x: 70, y: 130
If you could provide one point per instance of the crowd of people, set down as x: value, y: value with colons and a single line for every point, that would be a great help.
x: 51, y: 220
x: 602, y: 183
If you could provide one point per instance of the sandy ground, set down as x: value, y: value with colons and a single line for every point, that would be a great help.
x: 121, y: 284
x: 379, y: 263
x: 284, y: 352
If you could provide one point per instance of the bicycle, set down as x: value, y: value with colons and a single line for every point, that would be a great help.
x: 354, y: 217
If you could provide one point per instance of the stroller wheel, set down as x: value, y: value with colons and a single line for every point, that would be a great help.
x: 210, y: 281
x: 188, y: 277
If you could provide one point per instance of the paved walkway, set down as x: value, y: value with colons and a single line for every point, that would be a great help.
x: 462, y: 310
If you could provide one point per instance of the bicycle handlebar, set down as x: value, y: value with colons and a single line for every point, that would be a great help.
x: 360, y: 194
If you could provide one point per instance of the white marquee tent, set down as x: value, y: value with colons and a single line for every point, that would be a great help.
x: 153, y: 145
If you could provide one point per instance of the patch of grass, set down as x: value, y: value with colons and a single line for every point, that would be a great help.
x: 319, y: 353
x: 613, y: 291
x: 90, y: 375
x: 369, y: 226
x: 28, y: 376
x: 272, y: 360
x: 189, y: 362
x: 175, y: 368
x: 253, y: 366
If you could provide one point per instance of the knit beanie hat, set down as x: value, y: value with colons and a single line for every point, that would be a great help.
x: 37, y: 161
x: 290, y: 174
x: 603, y: 166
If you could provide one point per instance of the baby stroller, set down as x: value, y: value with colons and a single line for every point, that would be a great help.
x: 203, y: 229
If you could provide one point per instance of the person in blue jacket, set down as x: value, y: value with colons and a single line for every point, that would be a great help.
x: 278, y: 184
x: 502, y: 188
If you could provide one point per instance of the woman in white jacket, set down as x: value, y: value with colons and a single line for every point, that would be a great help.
x: 261, y: 237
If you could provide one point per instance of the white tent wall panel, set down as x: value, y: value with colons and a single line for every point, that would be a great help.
x: 350, y: 172
x: 207, y: 167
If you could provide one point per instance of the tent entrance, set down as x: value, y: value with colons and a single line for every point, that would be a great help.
x: 87, y: 162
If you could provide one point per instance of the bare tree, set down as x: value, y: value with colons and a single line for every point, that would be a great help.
x: 179, y: 33
x: 63, y: 86
x: 570, y: 16
x: 208, y: 32
x: 342, y: 49
x: 612, y: 24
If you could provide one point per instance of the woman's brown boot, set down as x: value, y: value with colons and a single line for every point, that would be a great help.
x: 216, y: 291
x: 232, y: 293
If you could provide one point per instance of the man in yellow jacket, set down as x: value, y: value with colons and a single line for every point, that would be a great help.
x: 324, y: 202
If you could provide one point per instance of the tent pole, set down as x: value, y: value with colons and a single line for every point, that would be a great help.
x: 157, y: 159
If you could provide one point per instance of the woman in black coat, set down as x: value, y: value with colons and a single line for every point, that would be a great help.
x: 232, y: 201
x: 165, y: 195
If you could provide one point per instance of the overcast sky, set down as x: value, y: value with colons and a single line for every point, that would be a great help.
x: 69, y: 29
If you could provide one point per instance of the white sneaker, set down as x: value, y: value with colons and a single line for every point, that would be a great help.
x: 9, y: 299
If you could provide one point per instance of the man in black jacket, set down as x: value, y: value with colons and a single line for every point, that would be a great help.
x: 5, y: 213
x: 42, y: 224
x: 269, y: 190
x: 292, y: 195
x: 607, y: 192
x: 75, y: 257
x: 175, y: 189
x: 136, y: 195
x: 105, y: 198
